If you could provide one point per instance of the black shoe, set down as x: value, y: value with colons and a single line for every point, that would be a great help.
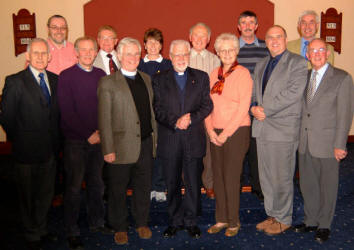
x: 49, y: 237
x: 171, y: 231
x: 75, y: 243
x: 322, y: 234
x: 102, y: 229
x: 194, y: 232
x: 259, y: 194
x: 34, y: 245
x: 302, y: 228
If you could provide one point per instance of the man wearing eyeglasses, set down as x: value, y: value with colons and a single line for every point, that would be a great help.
x: 106, y: 58
x: 181, y: 103
x: 327, y: 114
x: 308, y: 25
x: 62, y: 51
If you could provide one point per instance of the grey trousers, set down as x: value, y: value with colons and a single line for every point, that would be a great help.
x: 319, y: 187
x: 276, y: 163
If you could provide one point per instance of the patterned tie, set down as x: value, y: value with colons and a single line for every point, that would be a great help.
x: 304, y: 50
x: 44, y: 87
x: 311, y: 90
x: 112, y: 66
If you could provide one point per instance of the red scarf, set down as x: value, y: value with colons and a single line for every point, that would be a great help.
x: 219, y: 85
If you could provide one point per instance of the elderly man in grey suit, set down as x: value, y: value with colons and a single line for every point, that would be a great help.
x: 279, y: 83
x: 327, y: 114
x: 106, y: 58
x: 128, y: 135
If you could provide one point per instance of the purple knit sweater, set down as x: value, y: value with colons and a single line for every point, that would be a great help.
x: 77, y: 97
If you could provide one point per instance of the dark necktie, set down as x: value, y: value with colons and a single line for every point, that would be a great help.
x: 271, y: 65
x: 44, y: 87
x: 112, y: 66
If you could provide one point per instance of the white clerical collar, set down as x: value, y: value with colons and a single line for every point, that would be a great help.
x: 159, y: 59
x: 128, y: 73
x: 202, y: 53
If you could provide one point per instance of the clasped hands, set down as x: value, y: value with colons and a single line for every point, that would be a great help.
x: 184, y: 121
x: 258, y: 113
x: 218, y: 140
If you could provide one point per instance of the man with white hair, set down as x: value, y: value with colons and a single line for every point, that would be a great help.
x: 181, y: 103
x: 308, y: 25
x: 203, y: 59
x: 127, y: 128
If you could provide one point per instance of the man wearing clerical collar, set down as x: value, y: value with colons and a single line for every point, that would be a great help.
x: 181, y: 103
x: 128, y: 131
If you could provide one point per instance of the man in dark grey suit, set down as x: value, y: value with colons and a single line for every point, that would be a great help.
x: 327, y: 114
x: 181, y: 103
x: 128, y: 137
x: 30, y: 116
x: 279, y: 83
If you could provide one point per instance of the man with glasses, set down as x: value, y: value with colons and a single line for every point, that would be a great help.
x: 308, y: 25
x: 181, y: 103
x: 106, y: 58
x: 62, y: 51
x: 327, y: 114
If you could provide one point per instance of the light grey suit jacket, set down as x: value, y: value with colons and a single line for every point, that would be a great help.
x: 327, y: 119
x: 118, y: 119
x: 281, y: 100
x: 99, y: 62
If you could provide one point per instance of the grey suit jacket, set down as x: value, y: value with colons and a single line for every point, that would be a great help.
x: 118, y: 119
x: 99, y: 62
x: 327, y: 119
x: 281, y: 100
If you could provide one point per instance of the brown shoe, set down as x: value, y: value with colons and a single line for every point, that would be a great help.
x: 264, y: 224
x: 276, y: 228
x: 210, y: 193
x: 232, y: 231
x: 215, y: 229
x: 121, y: 238
x: 144, y: 232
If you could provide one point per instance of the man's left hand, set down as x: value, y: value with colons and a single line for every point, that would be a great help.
x: 340, y: 154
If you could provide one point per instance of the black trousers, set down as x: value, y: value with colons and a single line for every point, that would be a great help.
x: 82, y: 161
x: 139, y: 176
x: 35, y: 183
x: 183, y: 210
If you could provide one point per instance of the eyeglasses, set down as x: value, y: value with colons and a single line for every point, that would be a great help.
x: 180, y: 55
x: 227, y: 51
x: 56, y: 28
x: 320, y: 50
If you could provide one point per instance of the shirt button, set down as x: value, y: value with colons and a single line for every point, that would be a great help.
x: 308, y: 115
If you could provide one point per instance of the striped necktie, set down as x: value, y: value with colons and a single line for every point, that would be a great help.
x: 311, y: 90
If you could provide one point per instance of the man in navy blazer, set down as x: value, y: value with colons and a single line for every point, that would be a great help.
x: 181, y: 102
x: 29, y: 115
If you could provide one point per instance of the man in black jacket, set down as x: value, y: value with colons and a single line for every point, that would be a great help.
x: 29, y: 115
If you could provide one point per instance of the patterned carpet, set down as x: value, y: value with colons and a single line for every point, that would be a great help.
x: 251, y: 212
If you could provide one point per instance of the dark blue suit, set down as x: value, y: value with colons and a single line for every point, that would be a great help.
x: 182, y: 149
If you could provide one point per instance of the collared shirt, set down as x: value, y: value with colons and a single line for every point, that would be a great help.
x: 105, y: 60
x: 205, y: 60
x: 87, y: 70
x: 36, y: 75
x: 159, y: 59
x: 320, y: 74
x: 243, y: 43
x: 62, y: 58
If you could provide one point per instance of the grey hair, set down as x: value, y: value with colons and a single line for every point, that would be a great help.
x: 226, y: 37
x: 319, y: 39
x: 85, y: 38
x: 309, y: 12
x: 202, y: 25
x: 37, y: 40
x: 178, y: 42
x: 125, y: 41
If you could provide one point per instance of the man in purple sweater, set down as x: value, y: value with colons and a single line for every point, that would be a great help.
x: 83, y: 159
